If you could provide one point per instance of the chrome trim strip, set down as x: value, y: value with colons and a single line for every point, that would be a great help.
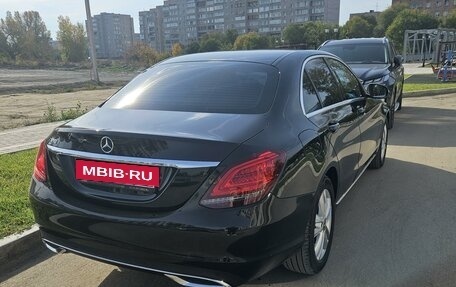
x: 134, y: 160
x: 356, y: 180
x: 168, y: 274
x: 55, y: 250
x: 185, y: 283
x: 323, y: 109
x: 340, y: 104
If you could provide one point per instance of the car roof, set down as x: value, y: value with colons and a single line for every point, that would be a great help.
x: 268, y: 57
x: 356, y: 41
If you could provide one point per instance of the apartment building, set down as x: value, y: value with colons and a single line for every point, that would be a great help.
x: 371, y: 13
x: 185, y: 21
x: 113, y: 35
x: 439, y: 8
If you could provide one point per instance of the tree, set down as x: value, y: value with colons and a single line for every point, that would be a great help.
x: 251, y: 41
x: 386, y: 18
x: 314, y: 33
x: 372, y: 20
x: 294, y: 34
x: 409, y: 20
x: 231, y: 36
x: 358, y: 27
x: 72, y: 38
x: 26, y: 36
x: 142, y: 54
x: 177, y: 49
x: 192, y: 48
x: 210, y: 44
x: 450, y: 21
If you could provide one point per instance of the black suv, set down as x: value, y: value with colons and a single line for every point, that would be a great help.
x: 374, y: 60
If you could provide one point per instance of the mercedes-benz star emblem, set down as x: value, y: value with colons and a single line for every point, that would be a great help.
x: 106, y: 145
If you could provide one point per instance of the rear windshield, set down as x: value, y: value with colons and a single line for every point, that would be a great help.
x: 359, y: 53
x: 208, y: 87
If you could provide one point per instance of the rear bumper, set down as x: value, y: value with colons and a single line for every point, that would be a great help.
x: 230, y: 246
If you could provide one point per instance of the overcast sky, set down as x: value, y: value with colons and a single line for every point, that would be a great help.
x: 75, y: 9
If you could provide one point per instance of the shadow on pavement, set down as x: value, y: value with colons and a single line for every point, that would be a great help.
x: 23, y: 263
x: 424, y: 127
x: 133, y: 278
x: 395, y: 228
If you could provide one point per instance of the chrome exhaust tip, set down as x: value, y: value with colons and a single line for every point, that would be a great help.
x: 197, y: 282
x: 56, y: 249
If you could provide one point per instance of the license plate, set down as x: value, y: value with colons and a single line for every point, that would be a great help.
x: 118, y: 173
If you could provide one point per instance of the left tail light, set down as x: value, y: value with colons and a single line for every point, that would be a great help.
x: 40, y: 170
x: 246, y: 183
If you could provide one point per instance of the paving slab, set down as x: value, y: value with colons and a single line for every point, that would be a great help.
x: 15, y: 140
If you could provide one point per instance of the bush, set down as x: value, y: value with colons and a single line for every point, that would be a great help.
x: 50, y: 115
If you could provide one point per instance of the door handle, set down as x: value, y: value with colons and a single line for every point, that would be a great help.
x: 333, y: 127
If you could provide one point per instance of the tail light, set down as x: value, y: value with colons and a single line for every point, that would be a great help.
x: 39, y: 172
x: 246, y: 183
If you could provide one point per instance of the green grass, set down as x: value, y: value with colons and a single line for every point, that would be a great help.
x: 425, y: 83
x: 15, y: 173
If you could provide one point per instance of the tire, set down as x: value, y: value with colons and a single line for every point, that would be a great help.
x: 380, y: 154
x: 400, y: 97
x: 400, y: 102
x: 307, y: 260
x: 392, y: 111
x: 390, y: 121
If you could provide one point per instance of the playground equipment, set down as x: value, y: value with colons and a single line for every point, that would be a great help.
x: 427, y: 45
x: 446, y: 72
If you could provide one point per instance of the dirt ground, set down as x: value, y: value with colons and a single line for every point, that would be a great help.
x: 13, y: 78
x: 19, y: 110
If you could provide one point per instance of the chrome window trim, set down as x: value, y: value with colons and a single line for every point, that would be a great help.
x: 328, y: 108
x: 323, y: 109
x: 134, y: 160
x: 51, y: 244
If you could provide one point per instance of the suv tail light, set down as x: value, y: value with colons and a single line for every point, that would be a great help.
x: 39, y: 171
x: 246, y: 183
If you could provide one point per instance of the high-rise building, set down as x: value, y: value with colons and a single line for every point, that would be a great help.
x: 185, y: 21
x: 113, y: 34
x: 439, y: 8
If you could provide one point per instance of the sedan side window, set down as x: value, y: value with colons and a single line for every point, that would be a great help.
x: 324, y: 82
x: 309, y: 95
x: 350, y: 84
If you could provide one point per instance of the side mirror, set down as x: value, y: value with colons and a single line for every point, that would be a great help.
x: 377, y: 91
x: 398, y: 60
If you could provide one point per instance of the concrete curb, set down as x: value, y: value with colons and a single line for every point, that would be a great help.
x: 19, y: 247
x: 429, y: 93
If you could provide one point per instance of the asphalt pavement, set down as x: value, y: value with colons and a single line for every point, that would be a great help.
x: 395, y: 228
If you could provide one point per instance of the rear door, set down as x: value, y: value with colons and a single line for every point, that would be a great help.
x: 338, y: 119
x: 365, y: 109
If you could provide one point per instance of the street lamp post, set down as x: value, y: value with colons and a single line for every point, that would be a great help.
x: 93, y: 54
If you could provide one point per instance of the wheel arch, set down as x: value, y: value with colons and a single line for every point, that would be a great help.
x: 333, y: 175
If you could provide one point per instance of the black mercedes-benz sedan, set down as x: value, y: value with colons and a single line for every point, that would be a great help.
x: 213, y: 168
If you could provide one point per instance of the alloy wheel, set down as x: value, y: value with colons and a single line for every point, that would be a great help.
x: 323, y: 225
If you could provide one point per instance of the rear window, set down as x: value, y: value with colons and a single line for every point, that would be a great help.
x: 207, y: 87
x: 359, y: 53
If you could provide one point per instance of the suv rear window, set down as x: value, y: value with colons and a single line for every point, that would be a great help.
x: 207, y: 87
x: 359, y: 53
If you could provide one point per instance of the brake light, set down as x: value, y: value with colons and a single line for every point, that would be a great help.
x: 246, y: 183
x: 39, y: 172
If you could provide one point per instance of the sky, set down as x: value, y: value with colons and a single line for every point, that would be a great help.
x: 50, y: 10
